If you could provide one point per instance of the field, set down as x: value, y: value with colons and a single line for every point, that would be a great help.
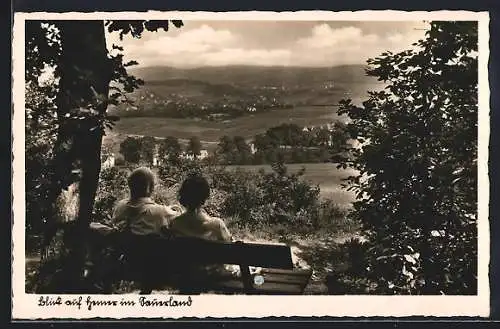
x: 326, y: 175
x: 209, y: 131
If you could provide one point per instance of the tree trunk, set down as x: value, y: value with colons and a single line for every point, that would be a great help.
x: 84, y: 70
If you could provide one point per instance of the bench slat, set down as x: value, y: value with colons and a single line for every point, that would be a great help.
x: 236, y: 286
x: 191, y: 250
x: 282, y: 278
x: 295, y: 272
x: 279, y: 288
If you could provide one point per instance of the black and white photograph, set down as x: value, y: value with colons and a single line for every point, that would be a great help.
x: 169, y: 158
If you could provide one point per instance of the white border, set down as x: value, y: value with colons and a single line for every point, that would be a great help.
x: 25, y: 305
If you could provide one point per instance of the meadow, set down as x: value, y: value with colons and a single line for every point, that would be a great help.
x: 210, y: 131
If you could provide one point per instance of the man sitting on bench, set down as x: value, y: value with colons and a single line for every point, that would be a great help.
x: 139, y: 214
x: 138, y: 218
x: 135, y: 218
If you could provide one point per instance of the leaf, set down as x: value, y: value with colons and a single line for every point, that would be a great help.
x: 409, y: 259
x: 130, y: 63
x: 177, y: 23
x: 116, y: 47
x: 407, y: 273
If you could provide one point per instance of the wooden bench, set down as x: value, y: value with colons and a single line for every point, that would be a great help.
x: 165, y: 261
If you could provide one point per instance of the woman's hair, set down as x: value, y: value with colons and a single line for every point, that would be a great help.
x: 194, y: 192
x: 141, y: 183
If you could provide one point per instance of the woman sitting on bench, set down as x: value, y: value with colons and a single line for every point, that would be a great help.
x: 195, y: 222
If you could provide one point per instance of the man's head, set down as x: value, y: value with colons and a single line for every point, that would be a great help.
x: 141, y: 183
x: 194, y: 192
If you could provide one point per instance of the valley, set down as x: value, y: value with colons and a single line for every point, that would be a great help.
x: 312, y: 96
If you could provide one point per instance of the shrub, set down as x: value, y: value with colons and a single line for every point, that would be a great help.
x: 119, y: 160
x: 130, y: 148
x: 277, y: 198
x: 335, y: 218
x: 112, y: 187
x: 243, y: 195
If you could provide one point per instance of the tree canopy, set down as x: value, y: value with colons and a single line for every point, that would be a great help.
x: 417, y: 182
x: 87, y: 77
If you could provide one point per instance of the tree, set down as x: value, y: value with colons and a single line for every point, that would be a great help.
x: 285, y: 134
x: 322, y: 137
x: 417, y: 186
x: 194, y: 147
x: 130, y: 148
x: 266, y: 149
x: 84, y: 73
x: 243, y: 150
x: 339, y: 137
x: 170, y: 149
x: 84, y: 69
x: 263, y: 143
x: 227, y: 149
x: 148, y: 149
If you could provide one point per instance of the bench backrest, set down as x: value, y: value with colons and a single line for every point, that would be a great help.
x: 199, y: 251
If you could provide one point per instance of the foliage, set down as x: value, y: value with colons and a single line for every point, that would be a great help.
x: 194, y: 146
x: 334, y: 218
x: 148, y: 149
x: 226, y: 150
x: 278, y: 197
x: 42, y: 49
x: 40, y: 128
x: 418, y: 164
x: 131, y: 148
x: 244, y: 195
x: 169, y: 149
x: 119, y: 160
x: 136, y: 28
x: 112, y: 187
x: 171, y: 172
x: 234, y: 150
x: 286, y: 142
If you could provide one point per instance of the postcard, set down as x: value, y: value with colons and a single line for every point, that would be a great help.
x: 175, y: 165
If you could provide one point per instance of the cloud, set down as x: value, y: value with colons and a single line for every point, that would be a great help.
x: 346, y: 45
x: 395, y: 38
x: 240, y: 56
x: 322, y: 45
x: 323, y: 36
x: 167, y: 49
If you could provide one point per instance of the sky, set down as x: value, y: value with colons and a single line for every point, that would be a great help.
x: 269, y: 43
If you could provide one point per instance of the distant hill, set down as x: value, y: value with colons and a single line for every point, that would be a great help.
x: 237, y: 100
x: 222, y: 93
x: 256, y: 75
